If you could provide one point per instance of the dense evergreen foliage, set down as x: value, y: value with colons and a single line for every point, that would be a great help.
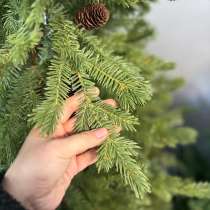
x: 45, y: 57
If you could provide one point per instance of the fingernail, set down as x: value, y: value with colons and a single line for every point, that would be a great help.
x: 101, y: 133
x: 94, y: 91
x: 118, y: 129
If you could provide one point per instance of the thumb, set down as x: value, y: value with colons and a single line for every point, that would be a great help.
x: 79, y: 143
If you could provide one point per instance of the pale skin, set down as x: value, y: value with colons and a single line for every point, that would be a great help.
x: 45, y: 166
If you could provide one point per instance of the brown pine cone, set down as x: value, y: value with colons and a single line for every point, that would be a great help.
x: 92, y: 16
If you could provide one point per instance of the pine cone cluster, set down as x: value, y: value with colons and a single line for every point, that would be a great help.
x: 92, y: 16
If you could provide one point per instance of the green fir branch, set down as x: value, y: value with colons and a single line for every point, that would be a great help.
x: 119, y: 152
x: 47, y: 114
x: 19, y: 44
x: 97, y: 111
x: 189, y: 188
x: 16, y: 13
x: 166, y: 187
x: 21, y: 98
x: 116, y: 75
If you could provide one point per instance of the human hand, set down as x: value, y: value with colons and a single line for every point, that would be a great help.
x: 45, y: 166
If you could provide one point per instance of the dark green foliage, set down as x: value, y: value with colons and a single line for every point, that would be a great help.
x: 72, y: 63
x: 22, y: 97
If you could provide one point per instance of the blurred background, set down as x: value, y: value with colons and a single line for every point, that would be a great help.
x: 183, y: 36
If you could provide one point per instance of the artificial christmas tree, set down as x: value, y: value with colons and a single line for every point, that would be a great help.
x: 46, y: 56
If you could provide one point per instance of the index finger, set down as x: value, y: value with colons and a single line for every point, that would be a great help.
x: 79, y: 143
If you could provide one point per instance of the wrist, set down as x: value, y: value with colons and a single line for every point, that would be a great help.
x: 11, y: 186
